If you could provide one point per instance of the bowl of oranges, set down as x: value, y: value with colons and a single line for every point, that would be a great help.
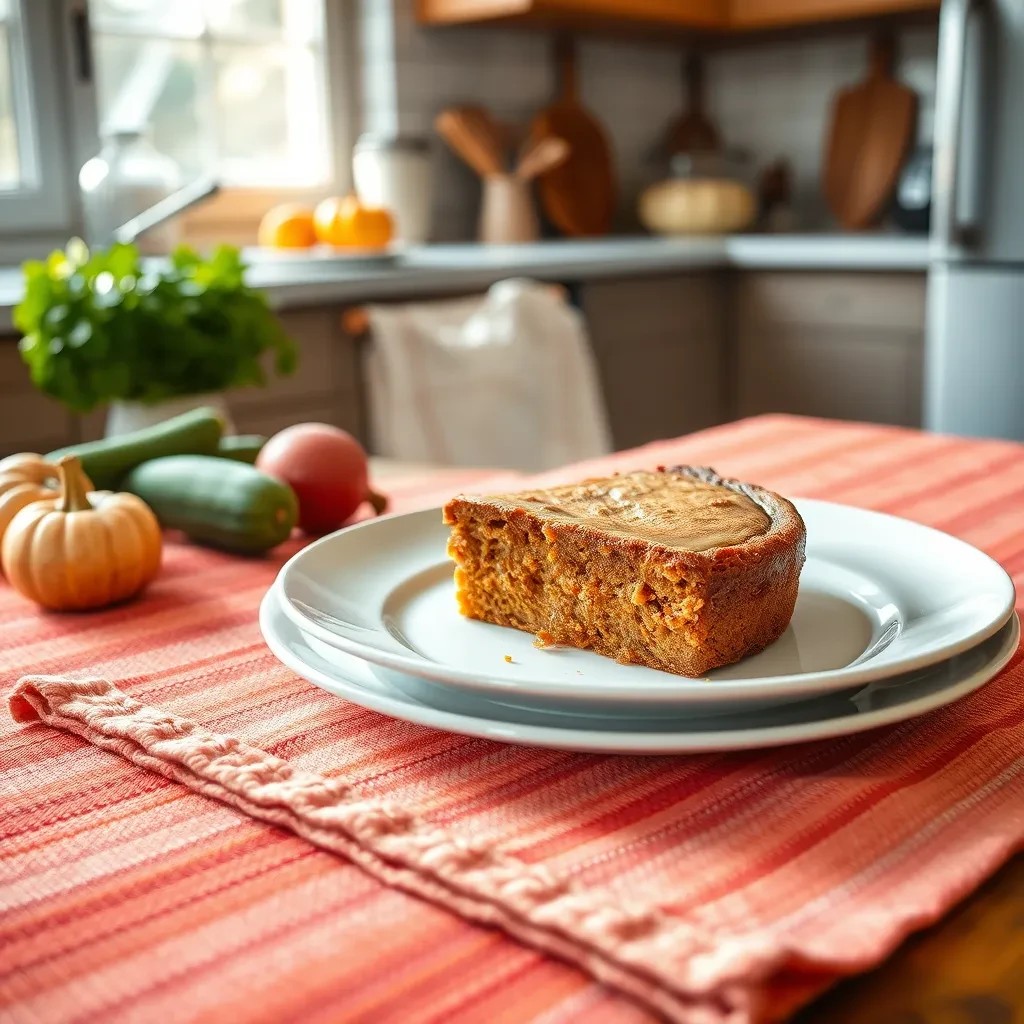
x: 339, y: 226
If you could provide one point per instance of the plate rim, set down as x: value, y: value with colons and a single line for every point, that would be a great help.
x: 624, y: 742
x: 690, y: 690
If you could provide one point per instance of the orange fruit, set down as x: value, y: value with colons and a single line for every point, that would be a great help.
x: 332, y: 228
x: 287, y: 226
x: 346, y: 223
x: 372, y: 227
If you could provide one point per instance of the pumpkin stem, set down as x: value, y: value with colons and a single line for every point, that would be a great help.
x: 74, y: 486
x: 378, y: 501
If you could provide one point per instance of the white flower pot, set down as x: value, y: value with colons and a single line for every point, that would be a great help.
x: 124, y: 417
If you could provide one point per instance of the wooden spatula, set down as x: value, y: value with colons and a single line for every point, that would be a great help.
x: 693, y: 132
x: 488, y: 129
x: 579, y: 194
x: 540, y: 155
x: 474, y: 142
x: 872, y: 128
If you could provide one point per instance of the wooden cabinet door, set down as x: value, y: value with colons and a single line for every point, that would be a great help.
x: 660, y: 349
x: 841, y: 346
x: 326, y: 386
x: 29, y: 420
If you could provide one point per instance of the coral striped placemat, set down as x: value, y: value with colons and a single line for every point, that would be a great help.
x: 757, y: 878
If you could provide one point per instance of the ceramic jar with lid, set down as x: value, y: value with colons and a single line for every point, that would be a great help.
x: 395, y: 172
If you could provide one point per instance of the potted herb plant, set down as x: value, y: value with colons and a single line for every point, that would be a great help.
x: 152, y: 340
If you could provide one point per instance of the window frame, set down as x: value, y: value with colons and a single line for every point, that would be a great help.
x: 44, y: 204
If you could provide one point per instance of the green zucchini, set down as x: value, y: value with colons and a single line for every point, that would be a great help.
x: 216, y: 501
x: 241, y: 447
x: 106, y: 462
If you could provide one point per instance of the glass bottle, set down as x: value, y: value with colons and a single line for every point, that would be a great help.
x: 128, y: 176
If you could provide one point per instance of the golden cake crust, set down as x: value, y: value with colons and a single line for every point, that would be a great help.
x: 677, y: 569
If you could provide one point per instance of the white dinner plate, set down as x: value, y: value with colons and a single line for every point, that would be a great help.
x: 880, y: 703
x: 878, y: 596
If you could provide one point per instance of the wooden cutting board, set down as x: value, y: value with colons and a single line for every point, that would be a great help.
x: 578, y: 195
x: 872, y: 128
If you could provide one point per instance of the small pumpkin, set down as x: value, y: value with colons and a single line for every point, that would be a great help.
x: 24, y: 478
x: 79, y: 551
x: 28, y: 467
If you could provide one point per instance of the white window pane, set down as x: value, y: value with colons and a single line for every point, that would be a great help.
x: 271, y: 123
x: 180, y: 18
x: 34, y: 192
x: 5, y: 10
x: 245, y: 100
x: 156, y: 84
x: 295, y: 21
x: 10, y: 165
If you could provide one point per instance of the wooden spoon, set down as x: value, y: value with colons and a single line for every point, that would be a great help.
x: 463, y: 132
x: 487, y: 128
x: 541, y: 155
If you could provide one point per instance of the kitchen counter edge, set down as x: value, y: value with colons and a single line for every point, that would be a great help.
x: 296, y: 281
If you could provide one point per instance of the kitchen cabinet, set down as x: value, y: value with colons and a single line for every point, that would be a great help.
x: 750, y: 15
x: 675, y: 352
x: 719, y: 16
x: 582, y: 14
x: 326, y: 387
x: 29, y: 421
x: 660, y: 347
x: 843, y: 346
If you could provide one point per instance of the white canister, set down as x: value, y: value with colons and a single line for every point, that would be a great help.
x: 395, y: 172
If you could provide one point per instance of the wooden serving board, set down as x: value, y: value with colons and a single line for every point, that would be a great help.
x: 579, y: 195
x: 871, y: 131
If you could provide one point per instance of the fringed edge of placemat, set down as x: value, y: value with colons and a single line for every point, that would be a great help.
x: 667, y: 964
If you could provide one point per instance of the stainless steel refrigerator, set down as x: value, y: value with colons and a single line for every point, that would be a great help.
x: 974, y: 353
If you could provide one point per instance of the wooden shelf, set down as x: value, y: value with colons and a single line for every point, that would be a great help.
x: 719, y: 16
x: 577, y: 14
x: 752, y: 15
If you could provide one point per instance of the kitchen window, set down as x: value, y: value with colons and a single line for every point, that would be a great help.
x: 34, y: 192
x: 236, y: 87
x: 10, y: 158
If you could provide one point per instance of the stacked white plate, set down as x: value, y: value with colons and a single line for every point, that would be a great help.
x: 893, y: 619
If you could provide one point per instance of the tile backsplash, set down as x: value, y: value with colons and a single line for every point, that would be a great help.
x: 768, y: 97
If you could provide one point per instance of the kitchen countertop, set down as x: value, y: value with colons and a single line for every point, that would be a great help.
x: 430, y: 270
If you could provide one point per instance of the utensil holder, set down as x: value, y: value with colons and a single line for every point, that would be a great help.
x: 507, y: 212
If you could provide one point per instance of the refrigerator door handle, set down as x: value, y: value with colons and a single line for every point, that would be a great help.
x: 960, y: 122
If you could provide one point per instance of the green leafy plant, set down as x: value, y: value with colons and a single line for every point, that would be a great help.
x: 99, y: 326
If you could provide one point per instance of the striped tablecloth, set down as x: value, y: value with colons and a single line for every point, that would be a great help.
x: 127, y: 896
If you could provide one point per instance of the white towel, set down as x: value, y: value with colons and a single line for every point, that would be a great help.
x: 504, y: 379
